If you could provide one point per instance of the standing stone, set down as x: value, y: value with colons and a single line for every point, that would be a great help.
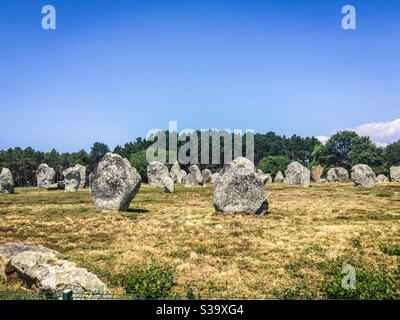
x: 114, y: 183
x: 382, y: 178
x: 72, y: 179
x: 206, y: 175
x: 297, y: 175
x: 279, y: 177
x: 194, y: 178
x: 337, y: 175
x: 82, y: 171
x: 175, y: 172
x: 214, y: 177
x: 264, y: 176
x: 363, y: 175
x: 45, y: 176
x: 395, y: 174
x: 316, y: 173
x: 240, y: 188
x: 168, y: 185
x: 6, y: 181
x: 156, y: 172
x: 182, y: 176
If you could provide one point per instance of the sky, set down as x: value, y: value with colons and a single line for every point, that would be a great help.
x: 113, y: 70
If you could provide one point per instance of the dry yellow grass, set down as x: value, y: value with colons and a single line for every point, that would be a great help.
x: 230, y: 255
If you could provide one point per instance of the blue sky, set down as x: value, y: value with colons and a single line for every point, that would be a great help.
x: 112, y: 70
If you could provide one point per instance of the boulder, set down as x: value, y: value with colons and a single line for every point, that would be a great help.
x: 175, y: 172
x: 46, y: 273
x: 363, y: 175
x: 264, y: 176
x: 72, y: 179
x: 44, y: 176
x: 6, y: 181
x: 316, y: 173
x: 183, y: 176
x: 298, y: 175
x: 156, y: 172
x: 214, y: 177
x: 114, y: 183
x: 168, y: 185
x: 194, y: 178
x: 10, y: 250
x: 381, y: 178
x: 395, y: 174
x: 279, y: 177
x: 206, y: 174
x: 82, y: 171
x: 240, y: 188
x: 337, y: 175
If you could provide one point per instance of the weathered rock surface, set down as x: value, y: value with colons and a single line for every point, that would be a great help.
x: 298, y: 175
x: 10, y: 250
x: 214, y: 177
x: 395, y: 174
x: 114, y: 183
x: 45, y: 272
x: 363, y: 175
x: 264, y: 176
x: 337, y: 175
x: 316, y: 173
x: 240, y: 188
x: 168, y: 185
x: 175, y: 172
x: 206, y: 175
x: 72, y: 179
x: 194, y: 177
x: 279, y: 177
x: 6, y: 181
x: 156, y: 172
x: 183, y: 176
x: 44, y: 176
x: 82, y: 172
x: 382, y: 178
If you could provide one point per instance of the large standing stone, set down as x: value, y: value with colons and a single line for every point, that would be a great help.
x: 382, y: 178
x: 6, y: 181
x: 297, y: 175
x: 279, y: 177
x: 183, y: 176
x: 45, y: 272
x: 72, y: 179
x: 316, y: 173
x: 114, y: 183
x: 45, y: 176
x: 214, y: 177
x: 206, y: 175
x: 156, y: 172
x: 240, y: 188
x: 82, y: 172
x: 363, y: 175
x: 337, y: 175
x: 168, y: 185
x: 395, y: 174
x: 194, y: 178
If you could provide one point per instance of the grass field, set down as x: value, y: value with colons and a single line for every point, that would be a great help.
x: 294, y: 251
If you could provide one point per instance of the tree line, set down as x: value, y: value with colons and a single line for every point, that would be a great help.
x: 272, y: 153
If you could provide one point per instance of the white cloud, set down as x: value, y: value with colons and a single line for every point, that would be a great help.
x: 381, y: 133
x: 322, y: 139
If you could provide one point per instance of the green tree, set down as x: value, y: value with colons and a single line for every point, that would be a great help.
x: 97, y: 152
x: 391, y: 154
x: 139, y: 162
x: 272, y: 165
